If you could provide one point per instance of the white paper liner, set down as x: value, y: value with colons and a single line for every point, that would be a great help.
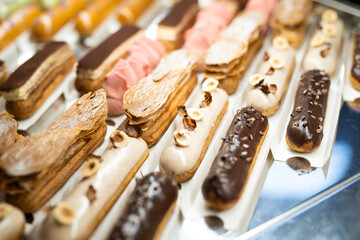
x: 280, y: 150
x: 26, y: 123
x: 349, y: 92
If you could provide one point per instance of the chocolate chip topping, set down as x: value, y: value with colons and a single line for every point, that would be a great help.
x: 26, y: 70
x: 231, y: 167
x: 97, y: 56
x: 152, y: 198
x: 355, y: 69
x: 306, y: 123
x: 177, y: 12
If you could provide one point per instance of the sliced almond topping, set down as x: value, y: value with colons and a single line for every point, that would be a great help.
x: 64, y: 213
x: 317, y: 41
x: 91, y: 167
x: 181, y: 138
x: 210, y: 85
x: 256, y: 79
x: 280, y: 43
x: 329, y: 30
x: 5, y: 210
x: 119, y: 139
x: 329, y: 16
x: 195, y: 114
x: 277, y: 63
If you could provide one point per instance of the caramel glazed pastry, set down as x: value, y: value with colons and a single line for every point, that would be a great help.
x: 151, y: 105
x: 105, y: 178
x: 184, y: 153
x: 4, y: 74
x: 33, y: 170
x: 355, y: 69
x: 8, y: 132
x: 228, y: 58
x: 99, y: 61
x: 305, y: 129
x: 32, y: 83
x: 323, y: 52
x: 270, y: 82
x: 148, y: 209
x: 12, y: 222
x: 180, y: 18
x: 233, y: 164
x: 290, y: 20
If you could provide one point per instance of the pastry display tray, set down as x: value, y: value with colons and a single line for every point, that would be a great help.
x: 278, y: 203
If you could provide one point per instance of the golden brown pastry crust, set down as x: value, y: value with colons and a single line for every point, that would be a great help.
x: 8, y: 131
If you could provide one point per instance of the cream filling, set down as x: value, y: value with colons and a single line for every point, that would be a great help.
x: 12, y: 224
x: 177, y: 160
x: 53, y: 61
x: 116, y: 165
x: 118, y: 52
x: 313, y: 58
x: 264, y: 101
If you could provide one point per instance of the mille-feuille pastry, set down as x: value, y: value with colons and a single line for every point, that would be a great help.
x: 52, y: 20
x: 229, y: 57
x: 235, y: 160
x: 130, y: 10
x: 182, y: 156
x: 38, y: 165
x: 31, y: 84
x: 172, y: 28
x: 8, y: 132
x: 272, y: 77
x: 355, y: 68
x: 151, y: 105
x: 95, y: 12
x: 209, y: 23
x: 325, y: 45
x: 305, y: 129
x: 12, y: 222
x: 142, y: 58
x: 4, y: 74
x: 290, y: 20
x: 148, y: 209
x: 99, y: 61
x: 12, y: 26
x: 104, y: 179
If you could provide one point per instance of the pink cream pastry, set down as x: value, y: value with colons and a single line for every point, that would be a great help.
x: 265, y: 7
x: 209, y: 23
x: 142, y: 58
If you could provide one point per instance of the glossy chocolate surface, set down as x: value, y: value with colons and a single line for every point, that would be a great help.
x: 307, y: 118
x: 231, y: 167
x: 177, y: 12
x: 26, y: 70
x: 96, y: 56
x: 355, y: 69
x: 147, y: 206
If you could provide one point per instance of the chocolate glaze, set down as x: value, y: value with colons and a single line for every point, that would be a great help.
x: 355, y: 69
x: 96, y: 56
x: 177, y: 12
x: 231, y: 167
x: 307, y: 118
x: 147, y: 206
x: 26, y: 70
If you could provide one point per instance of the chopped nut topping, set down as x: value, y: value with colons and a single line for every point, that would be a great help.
x: 189, y: 124
x: 207, y: 100
x: 266, y: 56
x: 119, y: 139
x: 133, y: 131
x: 91, y: 194
x: 181, y: 138
x: 195, y: 114
x: 64, y: 213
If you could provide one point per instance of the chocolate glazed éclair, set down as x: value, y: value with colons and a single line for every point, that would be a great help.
x: 148, y: 208
x: 305, y: 129
x: 233, y: 164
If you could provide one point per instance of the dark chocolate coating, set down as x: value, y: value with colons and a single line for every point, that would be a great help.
x: 147, y: 206
x: 307, y: 118
x: 27, y: 69
x: 177, y: 12
x: 96, y: 56
x: 230, y: 169
x: 355, y: 69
